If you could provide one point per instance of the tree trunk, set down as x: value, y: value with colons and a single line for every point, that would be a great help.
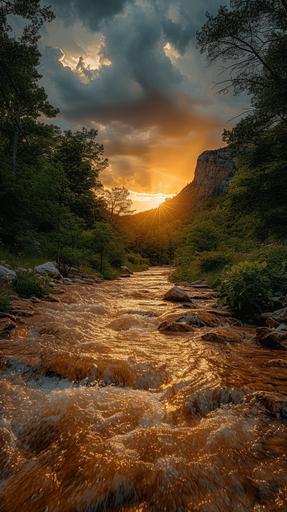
x: 101, y: 261
x: 15, y: 148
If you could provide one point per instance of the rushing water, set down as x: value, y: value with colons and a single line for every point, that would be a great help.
x: 102, y: 412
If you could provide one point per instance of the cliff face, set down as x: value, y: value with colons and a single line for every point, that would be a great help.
x: 213, y: 173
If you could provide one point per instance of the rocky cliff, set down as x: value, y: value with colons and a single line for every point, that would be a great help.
x: 213, y: 173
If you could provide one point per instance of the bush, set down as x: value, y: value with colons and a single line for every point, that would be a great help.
x: 27, y: 285
x: 5, y: 303
x: 248, y: 288
x: 136, y: 262
x: 214, y: 262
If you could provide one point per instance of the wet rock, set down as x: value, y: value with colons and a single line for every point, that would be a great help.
x: 8, y: 315
x: 223, y: 335
x: 18, y: 312
x: 35, y: 300
x: 199, y: 284
x: 7, y: 274
x: 276, y: 363
x: 271, y: 338
x: 275, y: 403
x: 49, y: 268
x: 203, y: 402
x: 126, y: 270
x: 177, y: 294
x: 275, y: 318
x: 174, y: 327
x: 67, y: 281
x: 204, y: 318
x: 52, y: 298
x: 6, y: 326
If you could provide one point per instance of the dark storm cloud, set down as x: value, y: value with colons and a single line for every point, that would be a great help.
x: 90, y: 12
x: 151, y: 95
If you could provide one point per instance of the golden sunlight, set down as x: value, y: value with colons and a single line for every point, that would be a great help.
x: 144, y: 201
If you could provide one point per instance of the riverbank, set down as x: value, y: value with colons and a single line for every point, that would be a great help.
x: 105, y: 406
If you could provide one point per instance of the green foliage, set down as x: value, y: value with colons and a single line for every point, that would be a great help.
x: 214, y: 262
x: 253, y: 286
x: 5, y: 302
x: 27, y: 285
x: 136, y: 262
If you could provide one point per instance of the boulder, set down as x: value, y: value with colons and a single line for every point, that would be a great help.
x: 274, y: 339
x: 6, y: 326
x: 177, y: 294
x: 222, y: 335
x: 7, y: 273
x: 126, y: 270
x: 174, y: 327
x: 49, y: 268
x: 274, y: 318
x: 275, y: 403
x: 204, y: 318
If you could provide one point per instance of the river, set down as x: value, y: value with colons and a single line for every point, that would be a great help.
x: 100, y: 411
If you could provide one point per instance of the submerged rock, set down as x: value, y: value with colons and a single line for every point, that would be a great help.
x: 275, y: 403
x: 224, y: 335
x: 7, y: 273
x: 49, y: 268
x: 6, y: 326
x: 275, y: 339
x: 276, y: 363
x: 174, y: 327
x: 177, y: 294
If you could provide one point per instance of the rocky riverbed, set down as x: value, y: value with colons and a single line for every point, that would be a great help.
x: 127, y: 395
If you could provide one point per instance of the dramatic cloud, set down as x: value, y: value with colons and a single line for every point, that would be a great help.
x: 131, y: 69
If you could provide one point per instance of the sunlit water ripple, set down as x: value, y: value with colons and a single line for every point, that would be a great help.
x: 102, y: 412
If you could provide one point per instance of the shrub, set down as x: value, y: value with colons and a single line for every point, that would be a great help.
x: 136, y: 262
x: 5, y: 303
x: 27, y: 285
x: 215, y: 261
x: 248, y: 288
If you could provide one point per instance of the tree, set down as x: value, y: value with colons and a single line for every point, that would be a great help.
x: 82, y: 159
x: 250, y: 39
x: 117, y: 201
x: 21, y: 98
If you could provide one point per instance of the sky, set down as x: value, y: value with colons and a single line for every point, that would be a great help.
x: 131, y: 69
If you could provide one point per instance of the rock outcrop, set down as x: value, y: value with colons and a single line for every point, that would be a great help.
x: 49, y: 268
x: 213, y: 173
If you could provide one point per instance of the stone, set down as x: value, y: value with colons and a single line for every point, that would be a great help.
x: 276, y: 363
x: 275, y: 403
x: 177, y: 294
x: 49, y: 268
x: 222, y: 335
x: 174, y: 327
x: 52, y: 298
x: 126, y: 270
x: 274, y: 318
x: 204, y: 318
x: 35, y: 300
x: 7, y: 274
x: 18, y: 312
x: 6, y: 326
x: 271, y: 338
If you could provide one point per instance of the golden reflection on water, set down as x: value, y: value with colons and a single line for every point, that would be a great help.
x: 100, y: 411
